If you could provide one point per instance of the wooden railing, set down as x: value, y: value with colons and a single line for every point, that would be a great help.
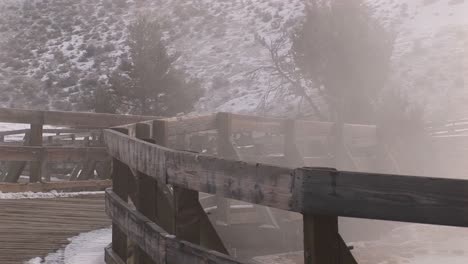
x: 78, y: 139
x: 169, y: 225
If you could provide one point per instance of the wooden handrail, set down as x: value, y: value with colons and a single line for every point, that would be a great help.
x: 74, y: 119
x: 54, y: 154
x: 319, y: 194
x: 249, y: 182
x: 401, y: 198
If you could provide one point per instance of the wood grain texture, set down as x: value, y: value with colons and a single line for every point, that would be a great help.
x: 188, y: 125
x: 37, y: 167
x: 382, y: 196
x: 249, y: 182
x: 75, y: 119
x: 54, y: 154
x: 159, y: 245
x: 36, y: 227
x: 66, y: 186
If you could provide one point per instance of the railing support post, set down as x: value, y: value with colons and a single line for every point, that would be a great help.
x: 37, y: 168
x: 322, y: 242
x: 293, y: 158
x: 224, y: 150
x: 146, y: 189
x: 120, y: 174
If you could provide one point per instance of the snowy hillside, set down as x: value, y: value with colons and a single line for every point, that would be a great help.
x: 72, y: 45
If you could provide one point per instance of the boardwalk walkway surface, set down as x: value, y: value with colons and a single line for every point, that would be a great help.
x: 35, y: 227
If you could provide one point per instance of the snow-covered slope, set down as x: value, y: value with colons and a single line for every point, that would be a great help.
x: 71, y: 46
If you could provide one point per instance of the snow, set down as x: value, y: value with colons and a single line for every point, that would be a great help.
x: 86, y: 248
x: 44, y: 195
x: 416, y: 244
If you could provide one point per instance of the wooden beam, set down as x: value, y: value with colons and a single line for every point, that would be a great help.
x: 164, y: 198
x: 322, y: 242
x: 75, y: 119
x: 426, y: 200
x: 120, y: 181
x: 158, y: 244
x: 54, y: 154
x: 362, y: 195
x: 65, y: 186
x: 244, y: 123
x: 191, y: 221
x: 36, y: 168
x: 250, y: 182
x: 188, y: 125
x: 146, y: 189
x: 293, y: 158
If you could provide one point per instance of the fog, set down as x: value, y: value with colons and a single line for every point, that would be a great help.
x: 397, y: 68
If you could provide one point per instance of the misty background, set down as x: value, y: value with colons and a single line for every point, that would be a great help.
x: 400, y: 65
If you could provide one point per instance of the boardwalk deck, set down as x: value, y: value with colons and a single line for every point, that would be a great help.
x: 35, y: 227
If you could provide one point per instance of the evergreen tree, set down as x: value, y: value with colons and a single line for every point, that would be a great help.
x: 148, y: 83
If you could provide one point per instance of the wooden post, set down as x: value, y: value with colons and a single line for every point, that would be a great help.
x: 186, y: 223
x: 225, y: 149
x: 337, y: 145
x: 36, y: 167
x: 15, y: 168
x: 146, y: 189
x: 164, y: 198
x: 293, y: 158
x: 120, y: 178
x: 87, y: 171
x: 322, y: 242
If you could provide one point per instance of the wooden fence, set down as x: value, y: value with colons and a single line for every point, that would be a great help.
x: 169, y: 225
x: 77, y: 139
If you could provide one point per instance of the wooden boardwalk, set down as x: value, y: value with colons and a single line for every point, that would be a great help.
x: 35, y: 227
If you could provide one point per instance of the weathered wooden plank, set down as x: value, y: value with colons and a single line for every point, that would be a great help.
x: 244, y: 123
x: 11, y: 115
x: 187, y: 125
x: 19, y: 153
x: 146, y: 189
x: 306, y: 128
x: 293, y: 158
x: 66, y: 186
x: 164, y: 198
x: 322, y: 243
x: 250, y: 182
x: 36, y: 167
x: 187, y: 216
x: 191, y: 221
x: 382, y: 196
x: 121, y: 174
x: 76, y: 119
x: 159, y: 245
x: 54, y: 154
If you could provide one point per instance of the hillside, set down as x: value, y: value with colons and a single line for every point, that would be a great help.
x: 55, y: 52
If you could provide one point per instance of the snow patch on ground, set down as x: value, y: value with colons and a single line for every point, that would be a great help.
x: 416, y: 244
x: 44, y: 195
x: 85, y: 248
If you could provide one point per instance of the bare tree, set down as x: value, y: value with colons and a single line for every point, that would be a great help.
x: 345, y: 50
x: 282, y: 66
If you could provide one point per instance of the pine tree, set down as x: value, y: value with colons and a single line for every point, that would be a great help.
x: 148, y: 83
